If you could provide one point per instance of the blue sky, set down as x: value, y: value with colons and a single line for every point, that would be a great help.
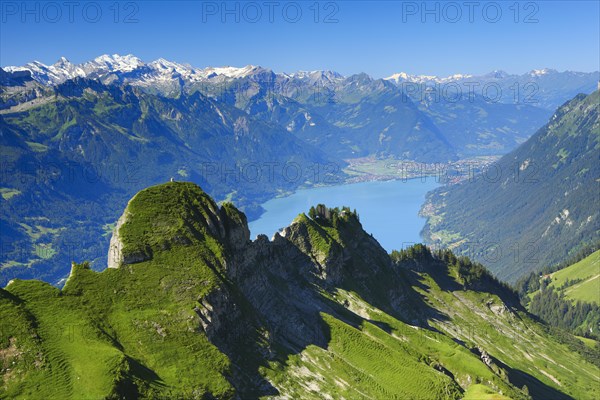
x: 378, y: 38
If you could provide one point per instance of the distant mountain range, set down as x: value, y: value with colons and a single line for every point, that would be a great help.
x: 547, y: 87
x: 536, y: 206
x: 461, y: 114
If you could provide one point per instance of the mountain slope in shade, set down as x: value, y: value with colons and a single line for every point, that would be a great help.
x: 478, y: 126
x: 536, y: 205
x: 192, y: 308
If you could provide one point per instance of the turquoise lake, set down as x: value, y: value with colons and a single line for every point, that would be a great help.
x: 387, y: 209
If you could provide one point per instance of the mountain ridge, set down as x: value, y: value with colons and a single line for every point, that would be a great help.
x: 502, y: 109
x: 303, y: 315
x: 211, y: 133
x: 130, y: 62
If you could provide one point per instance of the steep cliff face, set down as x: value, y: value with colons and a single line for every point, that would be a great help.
x: 193, y: 308
x: 115, y: 248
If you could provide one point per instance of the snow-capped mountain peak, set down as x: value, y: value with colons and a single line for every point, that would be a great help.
x: 117, y: 62
x: 130, y: 68
x: 50, y: 75
x: 168, y: 68
x: 400, y: 76
x: 168, y: 77
x: 234, y: 72
x: 404, y: 77
x: 540, y: 72
x: 62, y: 61
x: 316, y: 76
x: 166, y: 64
x: 457, y: 77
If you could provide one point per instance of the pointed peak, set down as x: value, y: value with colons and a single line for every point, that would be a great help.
x: 62, y: 62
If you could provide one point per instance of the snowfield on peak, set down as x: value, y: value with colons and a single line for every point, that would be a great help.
x: 131, y: 69
x: 171, y: 78
x: 104, y: 65
x: 116, y: 62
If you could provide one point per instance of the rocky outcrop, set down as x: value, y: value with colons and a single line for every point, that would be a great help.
x: 116, y: 255
x: 235, y: 226
x: 115, y: 248
x: 201, y: 218
x: 216, y: 311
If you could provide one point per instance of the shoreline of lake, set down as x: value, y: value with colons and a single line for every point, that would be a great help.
x: 388, y: 209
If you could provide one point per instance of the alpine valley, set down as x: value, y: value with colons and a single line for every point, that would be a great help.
x: 127, y: 268
x: 79, y: 140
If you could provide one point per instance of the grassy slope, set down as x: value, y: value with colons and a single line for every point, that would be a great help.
x: 77, y: 361
x: 103, y: 326
x: 137, y: 325
x: 382, y: 357
x: 137, y: 322
x: 379, y: 357
x: 523, y: 353
x: 587, y: 269
x: 530, y: 356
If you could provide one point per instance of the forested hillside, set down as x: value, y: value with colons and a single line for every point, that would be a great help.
x: 535, y: 207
